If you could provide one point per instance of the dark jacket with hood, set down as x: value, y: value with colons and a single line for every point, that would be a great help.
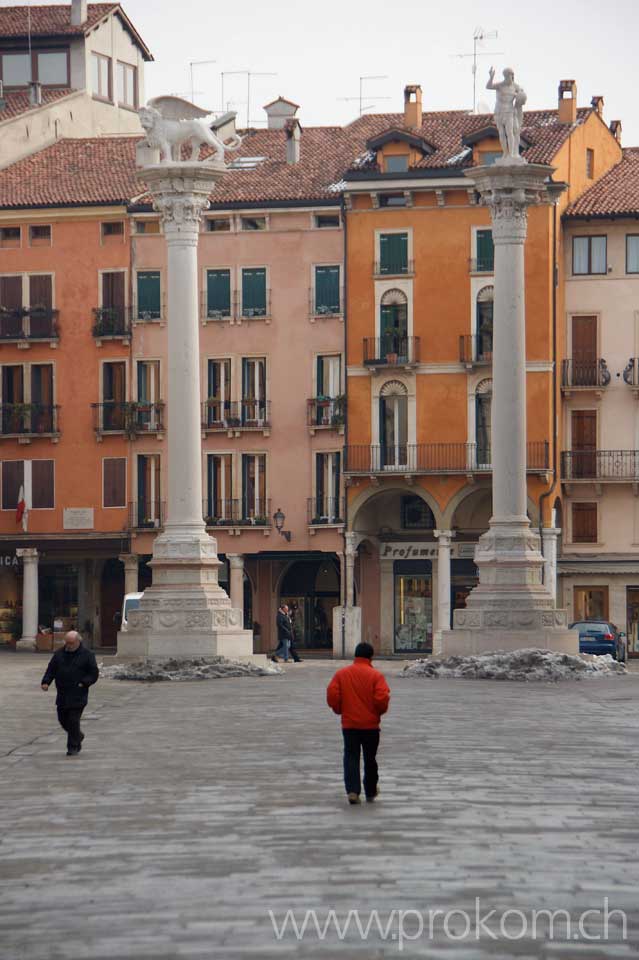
x: 74, y: 671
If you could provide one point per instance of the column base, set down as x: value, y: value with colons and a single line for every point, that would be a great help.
x: 463, y: 643
x: 27, y: 643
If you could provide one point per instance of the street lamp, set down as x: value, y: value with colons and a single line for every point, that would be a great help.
x: 279, y: 519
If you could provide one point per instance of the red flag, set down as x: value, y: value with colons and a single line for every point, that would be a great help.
x: 21, y: 507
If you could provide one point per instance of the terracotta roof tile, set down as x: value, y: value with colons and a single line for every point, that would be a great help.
x: 616, y: 194
x: 46, y: 20
x: 17, y: 102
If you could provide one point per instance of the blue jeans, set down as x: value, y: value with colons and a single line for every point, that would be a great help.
x: 282, y: 650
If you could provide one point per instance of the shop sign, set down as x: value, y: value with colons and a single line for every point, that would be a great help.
x: 422, y: 551
x: 78, y: 518
x: 8, y: 560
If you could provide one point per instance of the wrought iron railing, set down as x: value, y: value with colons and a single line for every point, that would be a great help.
x: 255, y: 312
x: 31, y: 419
x: 391, y: 350
x: 110, y: 322
x: 317, y: 309
x: 481, y: 265
x: 241, y: 512
x: 212, y: 311
x: 325, y: 510
x: 446, y: 458
x: 146, y: 514
x: 132, y: 417
x: 147, y: 314
x: 585, y: 373
x: 393, y: 268
x: 476, y: 348
x: 235, y: 414
x: 326, y: 411
x: 600, y: 465
x: 34, y: 323
x: 631, y: 372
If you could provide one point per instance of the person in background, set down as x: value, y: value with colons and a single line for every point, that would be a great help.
x: 284, y: 634
x: 360, y: 695
x: 74, y: 670
x: 292, y: 645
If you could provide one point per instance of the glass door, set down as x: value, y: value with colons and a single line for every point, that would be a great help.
x: 413, y: 607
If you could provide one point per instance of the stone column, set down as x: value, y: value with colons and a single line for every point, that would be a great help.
x: 444, y: 538
x: 185, y: 612
x: 131, y: 568
x: 386, y: 606
x: 510, y: 608
x: 236, y: 578
x: 29, y: 556
x: 350, y: 550
x: 549, y: 541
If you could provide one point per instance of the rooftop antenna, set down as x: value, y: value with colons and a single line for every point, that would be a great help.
x: 197, y: 63
x: 248, y: 74
x: 361, y: 97
x: 479, y: 35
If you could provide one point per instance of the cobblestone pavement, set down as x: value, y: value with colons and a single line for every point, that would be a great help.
x: 195, y: 808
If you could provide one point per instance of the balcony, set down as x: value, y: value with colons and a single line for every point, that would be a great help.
x: 110, y: 323
x: 28, y: 325
x: 433, y: 458
x: 326, y: 413
x: 259, y: 311
x: 476, y: 349
x: 584, y: 376
x: 325, y: 511
x: 237, y: 513
x: 391, y: 350
x: 631, y: 375
x: 235, y: 416
x: 481, y: 265
x: 28, y: 420
x: 594, y: 466
x: 138, y: 418
x: 404, y: 268
x: 146, y: 514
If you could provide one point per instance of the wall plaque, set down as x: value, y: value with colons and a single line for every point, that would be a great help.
x: 77, y: 518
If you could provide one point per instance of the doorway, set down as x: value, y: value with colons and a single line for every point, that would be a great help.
x: 111, y: 597
x: 311, y: 589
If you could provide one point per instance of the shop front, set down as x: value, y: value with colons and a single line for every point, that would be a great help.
x: 603, y: 590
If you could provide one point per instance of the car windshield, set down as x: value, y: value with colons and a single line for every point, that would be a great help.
x: 131, y: 604
x: 588, y: 626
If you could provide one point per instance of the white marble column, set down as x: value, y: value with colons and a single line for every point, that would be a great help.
x: 131, y: 568
x: 29, y: 556
x: 549, y: 542
x: 444, y: 540
x: 350, y: 551
x: 386, y: 606
x: 236, y: 578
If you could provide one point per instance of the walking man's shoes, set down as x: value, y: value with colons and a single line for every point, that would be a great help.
x: 73, y: 752
x: 372, y: 797
x: 353, y: 798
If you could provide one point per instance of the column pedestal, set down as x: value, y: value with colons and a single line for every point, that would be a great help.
x: 510, y: 608
x: 131, y: 568
x: 185, y: 613
x: 236, y: 576
x: 29, y: 557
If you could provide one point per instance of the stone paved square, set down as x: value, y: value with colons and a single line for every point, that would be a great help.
x: 197, y: 808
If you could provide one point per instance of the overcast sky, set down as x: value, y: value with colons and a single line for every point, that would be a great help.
x: 319, y: 50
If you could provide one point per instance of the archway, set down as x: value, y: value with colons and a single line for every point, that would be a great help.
x: 311, y: 588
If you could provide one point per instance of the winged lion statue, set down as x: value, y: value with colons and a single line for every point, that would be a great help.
x: 170, y: 122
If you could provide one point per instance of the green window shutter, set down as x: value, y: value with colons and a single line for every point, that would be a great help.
x: 393, y: 252
x: 149, y: 295
x: 254, y: 292
x: 327, y: 290
x: 218, y: 293
x: 485, y: 250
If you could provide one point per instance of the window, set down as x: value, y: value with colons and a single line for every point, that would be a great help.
x: 42, y: 410
x: 589, y: 255
x: 632, y: 253
x: 327, y: 488
x: 147, y: 413
x: 218, y: 294
x: 114, y: 482
x: 11, y: 325
x: 53, y: 68
x: 36, y: 477
x: 396, y: 164
x: 42, y: 483
x: 16, y: 69
x: 393, y: 253
x: 393, y: 200
x: 590, y: 163
x: 101, y: 75
x: 253, y: 223
x: 112, y: 228
x: 488, y: 157
x: 324, y: 221
x: 127, y: 85
x: 219, y: 488
x: 12, y: 480
x: 113, y: 395
x: 147, y: 226
x: 485, y: 251
x: 218, y: 224
x: 41, y: 316
x: 327, y: 293
x: 484, y: 322
x: 40, y: 235
x: 149, y: 511
x: 254, y: 292
x: 329, y: 377
x: 218, y: 404
x: 483, y: 422
x: 254, y: 506
x: 9, y: 236
x: 111, y: 319
x: 584, y: 523
x: 253, y: 390
x: 416, y: 514
x: 393, y: 326
x: 149, y: 297
x: 393, y: 425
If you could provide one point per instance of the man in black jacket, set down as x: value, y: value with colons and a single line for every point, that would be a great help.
x: 74, y: 670
x: 284, y: 634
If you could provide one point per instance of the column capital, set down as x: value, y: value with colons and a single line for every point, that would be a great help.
x: 444, y: 537
x: 129, y: 559
x: 551, y: 533
x: 27, y: 554
x: 508, y: 190
x: 351, y: 542
x: 236, y: 560
x: 180, y: 193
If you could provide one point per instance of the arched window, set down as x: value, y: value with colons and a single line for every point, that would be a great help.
x: 484, y: 323
x: 393, y: 425
x: 483, y: 405
x: 393, y: 323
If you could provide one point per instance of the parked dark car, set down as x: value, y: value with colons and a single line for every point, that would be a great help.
x: 601, y: 637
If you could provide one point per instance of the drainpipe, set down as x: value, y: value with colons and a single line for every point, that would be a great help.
x: 345, y: 308
x: 555, y: 438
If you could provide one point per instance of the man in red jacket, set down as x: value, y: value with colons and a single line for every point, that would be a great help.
x: 360, y: 694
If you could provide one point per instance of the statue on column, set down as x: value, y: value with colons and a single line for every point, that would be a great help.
x: 509, y: 114
x: 170, y: 122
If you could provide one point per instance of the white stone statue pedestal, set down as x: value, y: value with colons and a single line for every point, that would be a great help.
x: 510, y: 608
x: 185, y: 613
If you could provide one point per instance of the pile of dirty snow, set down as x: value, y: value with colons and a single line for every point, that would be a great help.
x: 529, y: 664
x: 196, y: 668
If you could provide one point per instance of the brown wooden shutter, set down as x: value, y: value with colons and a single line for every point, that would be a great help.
x: 584, y: 522
x: 113, y: 289
x: 11, y: 293
x: 115, y: 482
x: 41, y: 291
x: 42, y: 489
x: 12, y: 480
x: 13, y: 384
x: 584, y: 351
x: 584, y: 443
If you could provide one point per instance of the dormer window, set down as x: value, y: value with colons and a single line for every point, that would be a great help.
x: 397, y: 163
x: 16, y: 69
x: 48, y: 67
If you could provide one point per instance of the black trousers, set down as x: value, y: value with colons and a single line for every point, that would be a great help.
x: 367, y: 741
x: 69, y: 718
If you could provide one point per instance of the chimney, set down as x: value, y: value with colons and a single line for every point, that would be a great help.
x: 78, y: 12
x: 567, y: 101
x: 413, y: 105
x: 35, y: 93
x: 279, y: 111
x: 293, y: 136
x: 615, y: 129
x: 597, y: 103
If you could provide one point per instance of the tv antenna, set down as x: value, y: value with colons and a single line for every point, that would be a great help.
x: 197, y: 63
x: 479, y: 35
x: 360, y: 99
x: 248, y: 74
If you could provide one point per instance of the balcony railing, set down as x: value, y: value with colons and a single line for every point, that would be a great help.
x: 120, y: 416
x: 29, y: 419
x: 476, y: 348
x: 236, y: 414
x: 34, y: 323
x: 577, y: 374
x: 399, y: 268
x: 148, y: 314
x: 232, y: 513
x: 326, y: 411
x: 256, y: 312
x: 110, y: 322
x: 110, y: 417
x: 325, y: 510
x: 610, y: 465
x: 443, y: 458
x: 391, y: 350
x: 210, y: 311
x: 631, y: 372
x: 146, y: 514
x: 481, y: 265
x: 325, y: 309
